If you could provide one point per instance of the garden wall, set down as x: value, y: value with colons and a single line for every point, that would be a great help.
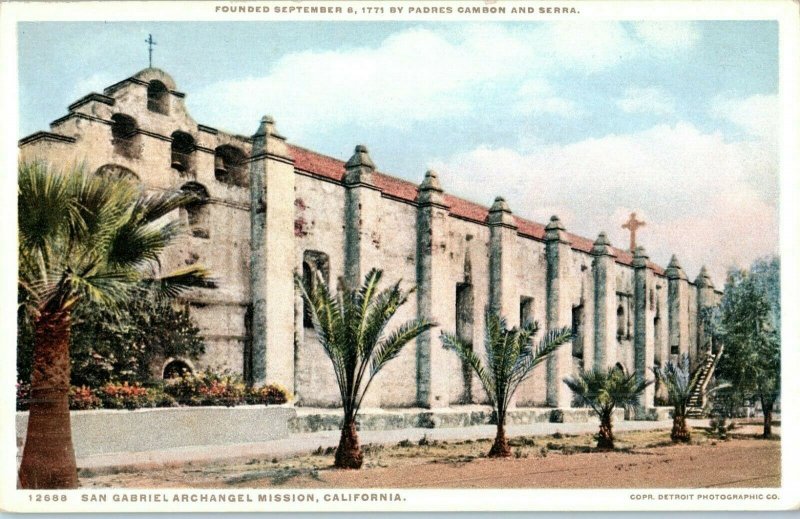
x: 106, y: 430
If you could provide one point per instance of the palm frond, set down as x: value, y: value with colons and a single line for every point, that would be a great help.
x: 177, y: 282
x: 466, y: 353
x: 390, y: 347
x: 154, y: 206
x: 350, y: 329
x: 137, y: 242
x: 529, y: 357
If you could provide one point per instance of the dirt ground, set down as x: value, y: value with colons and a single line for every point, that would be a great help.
x: 642, y: 460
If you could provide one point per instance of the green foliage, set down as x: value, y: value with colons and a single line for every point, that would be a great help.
x: 222, y: 388
x: 110, y: 346
x: 676, y: 378
x: 604, y: 390
x: 92, y: 238
x: 89, y: 237
x: 205, y: 388
x: 351, y: 328
x: 131, y: 396
x: 268, y: 394
x: 751, y: 360
x: 510, y: 356
x: 679, y: 382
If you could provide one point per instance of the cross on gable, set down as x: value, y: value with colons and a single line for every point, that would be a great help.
x: 632, y: 225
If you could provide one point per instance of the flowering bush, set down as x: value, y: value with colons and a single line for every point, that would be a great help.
x: 268, y: 394
x: 82, y: 398
x: 207, y: 388
x: 114, y: 395
x: 202, y: 388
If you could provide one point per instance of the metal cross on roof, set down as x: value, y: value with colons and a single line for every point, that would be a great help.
x: 633, y: 224
x: 149, y: 41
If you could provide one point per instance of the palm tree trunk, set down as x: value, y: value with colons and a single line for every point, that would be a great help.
x: 48, y: 459
x: 767, y: 419
x: 605, y: 438
x: 348, y: 454
x: 680, y: 430
x: 500, y: 447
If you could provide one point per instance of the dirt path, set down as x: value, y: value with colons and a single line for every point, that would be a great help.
x: 743, y: 463
x: 646, y: 460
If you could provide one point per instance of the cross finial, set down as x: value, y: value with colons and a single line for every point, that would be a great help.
x: 149, y: 41
x: 632, y: 225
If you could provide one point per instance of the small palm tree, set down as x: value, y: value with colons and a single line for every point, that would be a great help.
x: 603, y: 391
x: 678, y: 380
x: 510, y: 359
x: 350, y: 328
x: 81, y: 238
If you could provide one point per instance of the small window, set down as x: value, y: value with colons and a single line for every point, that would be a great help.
x: 158, y: 97
x: 197, y: 213
x: 674, y: 349
x: 124, y: 136
x: 182, y: 155
x: 229, y: 166
x: 577, y: 331
x: 525, y: 310
x: 620, y: 322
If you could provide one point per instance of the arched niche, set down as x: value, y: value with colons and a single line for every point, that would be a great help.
x: 116, y: 171
x: 182, y: 153
x: 125, y: 136
x: 157, y: 97
x: 229, y: 166
x: 198, y: 216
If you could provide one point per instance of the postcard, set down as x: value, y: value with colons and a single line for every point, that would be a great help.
x: 399, y: 256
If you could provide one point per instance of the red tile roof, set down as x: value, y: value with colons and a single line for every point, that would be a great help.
x: 328, y: 167
x: 395, y: 187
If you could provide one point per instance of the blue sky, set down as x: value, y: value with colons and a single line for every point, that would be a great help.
x: 589, y: 120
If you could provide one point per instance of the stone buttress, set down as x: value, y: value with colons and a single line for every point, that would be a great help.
x: 559, y: 310
x: 434, y: 292
x: 605, y: 303
x: 272, y: 257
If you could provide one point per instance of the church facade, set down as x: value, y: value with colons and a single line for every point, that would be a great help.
x: 269, y: 209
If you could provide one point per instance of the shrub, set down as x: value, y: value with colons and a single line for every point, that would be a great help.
x: 83, y: 398
x: 207, y: 388
x: 114, y: 395
x: 268, y: 394
x: 106, y: 346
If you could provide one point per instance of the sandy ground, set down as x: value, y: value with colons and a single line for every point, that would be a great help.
x: 642, y: 460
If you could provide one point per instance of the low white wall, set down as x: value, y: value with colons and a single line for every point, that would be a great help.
x: 108, y: 430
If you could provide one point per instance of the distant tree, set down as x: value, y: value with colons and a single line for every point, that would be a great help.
x: 350, y: 328
x: 510, y: 359
x: 81, y: 238
x: 751, y: 361
x: 603, y: 391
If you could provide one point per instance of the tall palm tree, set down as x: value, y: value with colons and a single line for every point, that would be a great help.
x: 679, y: 382
x: 81, y: 238
x: 603, y: 391
x: 350, y: 326
x: 510, y: 359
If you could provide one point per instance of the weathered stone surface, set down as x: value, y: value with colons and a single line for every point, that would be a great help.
x: 282, y: 208
x: 559, y: 309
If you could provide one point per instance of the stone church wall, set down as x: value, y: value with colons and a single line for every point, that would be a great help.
x: 340, y: 219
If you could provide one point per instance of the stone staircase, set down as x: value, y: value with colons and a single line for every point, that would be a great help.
x: 704, y: 374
